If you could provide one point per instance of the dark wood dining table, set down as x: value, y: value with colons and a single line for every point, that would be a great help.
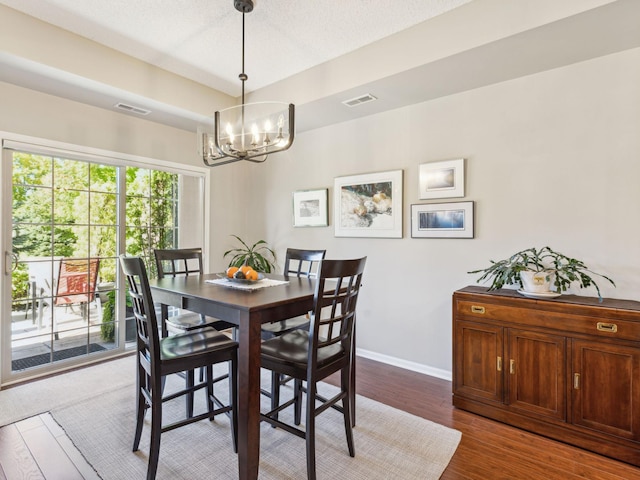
x: 247, y: 310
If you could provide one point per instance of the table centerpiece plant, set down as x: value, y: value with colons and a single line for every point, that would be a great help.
x: 535, y: 270
x: 257, y: 256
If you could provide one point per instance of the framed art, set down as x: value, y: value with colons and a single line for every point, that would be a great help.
x: 442, y: 179
x: 442, y: 220
x: 368, y: 205
x: 310, y: 208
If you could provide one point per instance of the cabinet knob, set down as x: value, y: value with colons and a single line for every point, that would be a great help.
x: 512, y: 367
x: 576, y: 381
x: 477, y: 309
x: 499, y: 364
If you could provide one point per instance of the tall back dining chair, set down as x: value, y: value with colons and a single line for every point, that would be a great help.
x: 298, y: 263
x: 183, y: 262
x: 158, y: 357
x: 314, y: 354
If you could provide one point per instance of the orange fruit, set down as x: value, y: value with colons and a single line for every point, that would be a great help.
x: 231, y: 271
x: 245, y: 268
x: 251, y: 275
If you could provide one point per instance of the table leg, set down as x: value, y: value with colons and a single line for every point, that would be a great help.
x: 248, y: 397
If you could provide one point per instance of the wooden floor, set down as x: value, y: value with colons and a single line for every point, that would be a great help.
x: 488, y: 450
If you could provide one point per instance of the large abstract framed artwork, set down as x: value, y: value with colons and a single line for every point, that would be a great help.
x: 442, y: 179
x: 442, y: 220
x: 310, y: 208
x: 368, y: 205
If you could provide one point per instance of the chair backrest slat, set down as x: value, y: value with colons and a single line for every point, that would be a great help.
x: 302, y: 263
x: 178, y: 262
x: 333, y: 315
x: 143, y: 309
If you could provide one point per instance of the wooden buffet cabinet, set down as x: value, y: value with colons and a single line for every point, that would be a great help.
x: 567, y: 368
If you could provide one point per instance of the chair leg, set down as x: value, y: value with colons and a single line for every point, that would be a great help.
x: 275, y: 392
x: 233, y: 400
x: 310, y: 428
x: 156, y: 430
x: 297, y: 406
x: 209, y: 377
x: 189, y: 379
x: 141, y: 408
x: 347, y: 403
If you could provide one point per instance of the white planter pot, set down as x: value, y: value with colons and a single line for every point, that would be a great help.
x: 536, y: 282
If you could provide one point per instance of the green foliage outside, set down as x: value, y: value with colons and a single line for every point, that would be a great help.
x: 68, y: 208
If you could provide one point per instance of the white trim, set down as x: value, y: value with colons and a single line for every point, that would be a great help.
x: 15, y: 141
x: 407, y: 365
x: 69, y: 150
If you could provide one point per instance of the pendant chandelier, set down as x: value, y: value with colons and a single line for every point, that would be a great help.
x: 249, y: 131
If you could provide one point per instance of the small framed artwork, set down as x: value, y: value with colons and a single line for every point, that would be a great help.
x: 368, y: 205
x: 442, y: 220
x: 310, y: 208
x: 442, y: 179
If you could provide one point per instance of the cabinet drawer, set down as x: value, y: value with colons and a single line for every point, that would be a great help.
x: 483, y: 310
x: 537, y: 316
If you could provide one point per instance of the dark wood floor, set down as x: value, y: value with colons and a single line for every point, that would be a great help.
x: 488, y: 450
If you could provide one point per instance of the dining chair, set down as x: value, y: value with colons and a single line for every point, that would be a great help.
x: 159, y: 357
x: 299, y: 263
x: 314, y: 354
x: 184, y: 262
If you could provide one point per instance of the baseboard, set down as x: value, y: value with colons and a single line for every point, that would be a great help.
x: 407, y: 365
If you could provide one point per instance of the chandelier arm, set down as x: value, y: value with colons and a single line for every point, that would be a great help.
x: 218, y: 163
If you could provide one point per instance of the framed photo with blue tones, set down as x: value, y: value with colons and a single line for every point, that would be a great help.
x: 442, y: 220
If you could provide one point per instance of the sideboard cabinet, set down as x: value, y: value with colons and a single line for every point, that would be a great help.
x: 567, y: 368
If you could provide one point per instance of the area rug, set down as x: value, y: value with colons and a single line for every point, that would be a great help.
x: 390, y: 444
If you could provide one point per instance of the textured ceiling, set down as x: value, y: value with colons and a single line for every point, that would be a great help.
x: 201, y: 39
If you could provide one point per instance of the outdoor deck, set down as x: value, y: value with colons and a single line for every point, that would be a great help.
x: 34, y: 341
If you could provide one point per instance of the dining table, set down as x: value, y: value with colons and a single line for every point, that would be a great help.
x: 247, y: 310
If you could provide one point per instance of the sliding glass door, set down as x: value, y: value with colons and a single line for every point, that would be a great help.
x: 70, y: 220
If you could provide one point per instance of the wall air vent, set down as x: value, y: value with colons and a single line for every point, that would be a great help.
x: 366, y: 98
x: 132, y: 109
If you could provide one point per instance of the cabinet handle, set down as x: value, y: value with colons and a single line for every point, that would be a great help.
x: 607, y: 327
x: 477, y: 309
x: 499, y: 364
x: 512, y: 366
x: 576, y: 381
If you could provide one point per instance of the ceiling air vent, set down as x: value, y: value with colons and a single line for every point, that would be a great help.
x: 366, y: 98
x: 132, y: 109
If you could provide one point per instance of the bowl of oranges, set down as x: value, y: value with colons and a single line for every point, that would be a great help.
x: 243, y: 274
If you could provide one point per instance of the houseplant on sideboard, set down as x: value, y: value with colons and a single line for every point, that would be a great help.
x: 535, y: 270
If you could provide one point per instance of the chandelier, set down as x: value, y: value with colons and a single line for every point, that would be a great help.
x: 249, y: 131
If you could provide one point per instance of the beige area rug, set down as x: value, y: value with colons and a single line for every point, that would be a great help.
x: 390, y: 444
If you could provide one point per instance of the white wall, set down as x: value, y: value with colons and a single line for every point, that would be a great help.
x: 552, y: 159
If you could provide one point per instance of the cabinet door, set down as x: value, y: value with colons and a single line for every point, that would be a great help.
x: 478, y: 360
x: 537, y: 373
x: 606, y: 388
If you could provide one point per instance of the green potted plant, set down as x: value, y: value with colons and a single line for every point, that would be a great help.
x: 257, y: 256
x: 535, y: 270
